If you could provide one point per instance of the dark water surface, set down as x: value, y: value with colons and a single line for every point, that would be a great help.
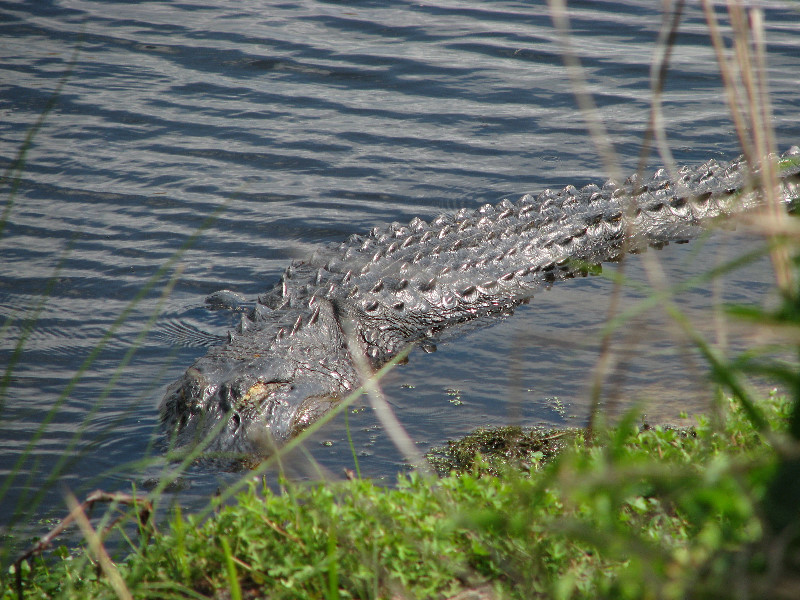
x: 309, y: 121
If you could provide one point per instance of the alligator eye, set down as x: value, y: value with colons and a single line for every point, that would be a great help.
x: 236, y: 420
x: 260, y: 391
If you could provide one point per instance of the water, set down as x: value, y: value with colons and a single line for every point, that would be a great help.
x: 306, y: 122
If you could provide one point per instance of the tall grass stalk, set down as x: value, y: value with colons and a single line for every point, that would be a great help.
x: 99, y: 552
x: 233, y: 579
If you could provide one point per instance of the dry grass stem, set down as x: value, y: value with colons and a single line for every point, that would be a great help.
x: 394, y: 429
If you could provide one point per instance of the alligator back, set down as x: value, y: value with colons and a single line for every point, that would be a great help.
x: 292, y: 357
x: 405, y: 283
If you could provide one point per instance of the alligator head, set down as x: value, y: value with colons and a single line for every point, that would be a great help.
x: 263, y: 386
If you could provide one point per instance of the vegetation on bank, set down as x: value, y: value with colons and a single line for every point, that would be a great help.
x: 650, y: 512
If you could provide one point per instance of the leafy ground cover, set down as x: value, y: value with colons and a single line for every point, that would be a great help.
x: 649, y: 512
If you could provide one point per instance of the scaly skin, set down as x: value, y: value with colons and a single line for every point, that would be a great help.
x: 289, y: 362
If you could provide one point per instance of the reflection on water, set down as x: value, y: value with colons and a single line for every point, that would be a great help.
x: 310, y: 122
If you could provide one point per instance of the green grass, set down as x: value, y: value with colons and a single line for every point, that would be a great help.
x: 654, y: 513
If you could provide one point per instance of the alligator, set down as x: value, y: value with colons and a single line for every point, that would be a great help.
x: 297, y: 353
